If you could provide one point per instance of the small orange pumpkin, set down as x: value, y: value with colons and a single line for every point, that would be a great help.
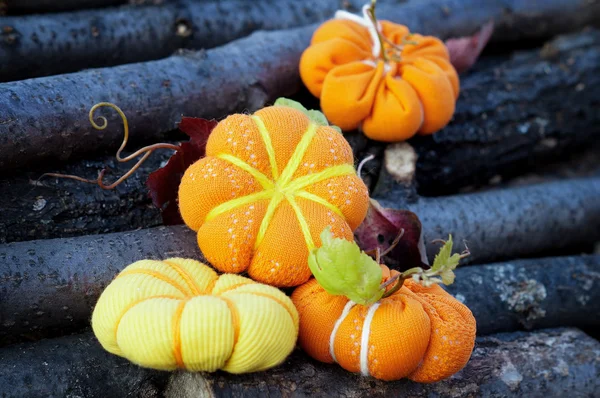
x: 422, y: 333
x: 392, y: 97
x: 269, y: 184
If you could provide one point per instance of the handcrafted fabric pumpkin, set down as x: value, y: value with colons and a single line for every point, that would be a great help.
x: 269, y: 184
x: 417, y: 332
x: 411, y: 87
x: 179, y: 313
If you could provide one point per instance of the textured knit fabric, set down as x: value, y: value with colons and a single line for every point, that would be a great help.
x: 392, y: 100
x: 268, y: 186
x: 420, y: 333
x: 179, y: 313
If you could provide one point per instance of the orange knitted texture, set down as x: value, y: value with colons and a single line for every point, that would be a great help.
x: 391, y: 100
x: 269, y: 184
x: 421, y: 333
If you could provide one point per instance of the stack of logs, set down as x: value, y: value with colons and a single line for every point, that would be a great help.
x: 516, y: 175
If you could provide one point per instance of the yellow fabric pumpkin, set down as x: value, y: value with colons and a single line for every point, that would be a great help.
x: 178, y: 313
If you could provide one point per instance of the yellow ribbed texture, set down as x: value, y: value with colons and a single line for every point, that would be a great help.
x: 178, y: 313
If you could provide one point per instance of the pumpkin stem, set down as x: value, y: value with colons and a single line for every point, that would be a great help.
x: 146, y: 151
x: 398, y: 279
x: 393, y: 52
x: 370, y: 12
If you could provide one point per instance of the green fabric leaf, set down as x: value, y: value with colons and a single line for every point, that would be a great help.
x: 291, y: 104
x: 315, y: 116
x: 318, y: 117
x: 342, y: 269
x: 445, y: 262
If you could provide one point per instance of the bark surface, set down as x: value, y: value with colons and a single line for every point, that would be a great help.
x: 49, y: 287
x: 551, y: 362
x: 40, y: 45
x: 510, y: 223
x: 52, y: 207
x: 532, y: 293
x: 524, y: 127
x: 60, y: 43
x: 46, y: 118
x: 514, y: 115
x: 38, y: 6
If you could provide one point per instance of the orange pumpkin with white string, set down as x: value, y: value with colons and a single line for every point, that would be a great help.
x: 422, y: 333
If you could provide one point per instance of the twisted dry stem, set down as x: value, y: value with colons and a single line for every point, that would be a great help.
x: 146, y: 151
x: 362, y: 163
x: 401, y: 277
x: 464, y: 254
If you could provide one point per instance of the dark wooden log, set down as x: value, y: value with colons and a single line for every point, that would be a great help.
x: 511, y: 223
x: 46, y: 118
x: 77, y: 209
x: 49, y: 287
x: 515, y: 115
x: 59, y: 208
x: 37, y: 6
x: 61, y: 43
x: 550, y: 363
x: 531, y: 294
x: 73, y: 366
x: 51, y: 207
x: 41, y: 45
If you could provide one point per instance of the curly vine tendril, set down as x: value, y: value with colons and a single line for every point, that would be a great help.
x: 146, y: 151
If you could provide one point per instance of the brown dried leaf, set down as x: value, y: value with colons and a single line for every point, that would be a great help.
x: 464, y: 51
x: 164, y: 182
x: 382, y: 225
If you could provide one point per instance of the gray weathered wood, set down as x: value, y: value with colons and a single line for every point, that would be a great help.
x: 493, y: 144
x: 551, y: 362
x: 40, y: 45
x: 532, y: 293
x: 55, y: 207
x: 49, y: 287
x: 511, y: 223
x: 514, y: 114
x: 46, y: 118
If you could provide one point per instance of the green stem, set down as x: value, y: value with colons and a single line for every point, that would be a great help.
x: 399, y: 279
x: 396, y: 287
x: 379, y: 36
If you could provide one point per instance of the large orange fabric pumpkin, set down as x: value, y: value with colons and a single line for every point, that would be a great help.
x: 390, y: 100
x: 269, y: 184
x: 421, y: 333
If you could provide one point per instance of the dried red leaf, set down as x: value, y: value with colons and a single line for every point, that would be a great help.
x: 464, y: 51
x: 382, y: 225
x: 164, y: 182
